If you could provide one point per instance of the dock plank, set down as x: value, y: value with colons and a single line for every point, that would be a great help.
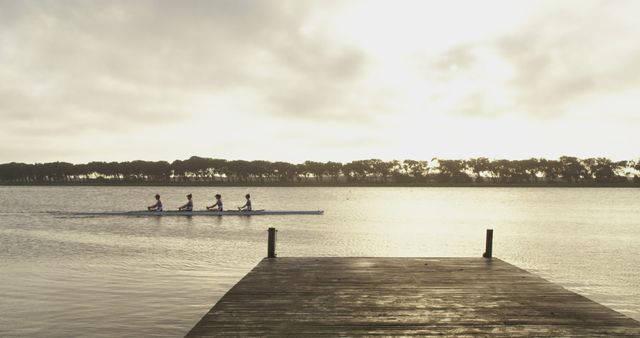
x: 338, y: 296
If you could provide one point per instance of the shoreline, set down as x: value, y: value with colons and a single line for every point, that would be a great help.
x: 326, y: 184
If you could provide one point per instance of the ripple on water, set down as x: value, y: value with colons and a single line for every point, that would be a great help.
x: 117, y: 276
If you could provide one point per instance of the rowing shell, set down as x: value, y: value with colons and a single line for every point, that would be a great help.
x: 205, y: 213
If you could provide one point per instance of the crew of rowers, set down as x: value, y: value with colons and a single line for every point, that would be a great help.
x: 217, y: 206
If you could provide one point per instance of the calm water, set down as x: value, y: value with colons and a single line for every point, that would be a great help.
x: 62, y: 275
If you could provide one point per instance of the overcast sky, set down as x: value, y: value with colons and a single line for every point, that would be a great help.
x: 318, y: 80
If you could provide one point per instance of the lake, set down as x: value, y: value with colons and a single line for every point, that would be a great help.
x: 66, y: 275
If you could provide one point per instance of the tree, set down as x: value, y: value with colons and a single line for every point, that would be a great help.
x: 317, y: 169
x: 551, y: 169
x: 452, y: 171
x: 158, y: 171
x: 356, y: 170
x: 259, y: 169
x: 416, y: 169
x: 285, y: 171
x: 198, y: 167
x: 238, y: 170
x: 381, y: 168
x: 217, y: 168
x: 572, y: 169
x: 479, y: 166
x: 333, y: 169
x: 179, y: 169
x: 603, y: 170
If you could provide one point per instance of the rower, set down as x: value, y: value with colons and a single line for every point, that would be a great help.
x: 187, y: 206
x: 246, y: 206
x: 157, y: 206
x: 218, y: 205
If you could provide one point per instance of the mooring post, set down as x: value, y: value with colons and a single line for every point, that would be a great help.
x: 271, y: 246
x: 488, y: 251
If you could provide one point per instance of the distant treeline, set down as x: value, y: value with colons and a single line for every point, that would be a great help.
x: 211, y: 171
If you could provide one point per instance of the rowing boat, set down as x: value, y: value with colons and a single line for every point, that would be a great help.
x: 204, y: 213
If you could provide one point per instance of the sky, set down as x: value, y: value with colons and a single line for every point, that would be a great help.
x: 320, y: 80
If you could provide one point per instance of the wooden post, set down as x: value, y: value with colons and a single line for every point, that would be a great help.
x: 271, y: 246
x: 488, y: 251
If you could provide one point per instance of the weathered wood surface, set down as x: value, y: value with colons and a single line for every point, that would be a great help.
x: 405, y: 296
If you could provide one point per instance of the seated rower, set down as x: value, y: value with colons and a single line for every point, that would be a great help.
x: 218, y: 205
x: 187, y: 206
x: 246, y: 206
x: 157, y: 206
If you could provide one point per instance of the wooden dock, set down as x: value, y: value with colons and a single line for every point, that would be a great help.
x: 405, y: 296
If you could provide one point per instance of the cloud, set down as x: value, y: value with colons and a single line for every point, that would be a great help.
x: 563, y: 58
x: 123, y: 65
x: 317, y: 82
